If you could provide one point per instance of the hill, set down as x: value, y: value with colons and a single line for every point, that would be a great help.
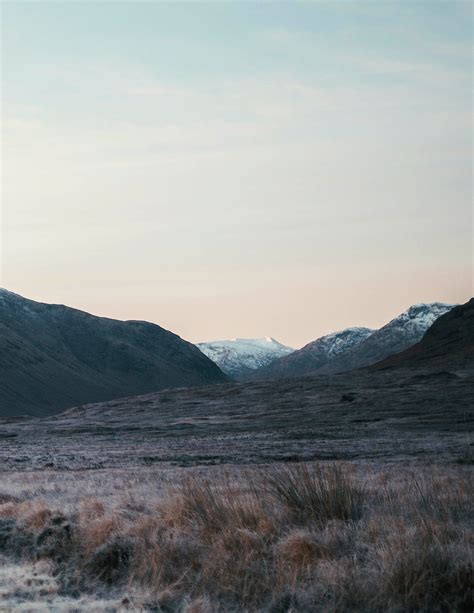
x: 53, y: 357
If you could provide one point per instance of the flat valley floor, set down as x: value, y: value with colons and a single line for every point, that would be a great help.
x: 413, y: 416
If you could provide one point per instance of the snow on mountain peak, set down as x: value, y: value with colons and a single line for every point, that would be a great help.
x: 419, y: 317
x: 238, y: 356
x: 338, y: 342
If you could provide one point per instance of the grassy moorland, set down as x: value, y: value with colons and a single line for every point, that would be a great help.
x: 350, y: 493
x: 281, y: 537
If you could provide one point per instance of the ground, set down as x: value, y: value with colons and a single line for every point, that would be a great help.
x: 196, y: 499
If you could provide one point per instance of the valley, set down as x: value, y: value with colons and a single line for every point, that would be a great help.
x: 368, y: 415
x: 310, y: 493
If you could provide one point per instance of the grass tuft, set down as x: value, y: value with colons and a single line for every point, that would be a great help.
x: 313, y: 494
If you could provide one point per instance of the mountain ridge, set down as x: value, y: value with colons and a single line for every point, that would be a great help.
x: 401, y: 332
x: 314, y: 355
x: 448, y: 343
x: 359, y: 346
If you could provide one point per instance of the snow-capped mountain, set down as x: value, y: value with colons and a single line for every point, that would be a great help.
x: 316, y: 354
x: 397, y: 335
x: 447, y: 344
x: 240, y: 356
x: 357, y: 347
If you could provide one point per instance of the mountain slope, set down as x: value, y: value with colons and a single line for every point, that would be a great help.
x: 357, y: 347
x: 314, y: 355
x: 449, y: 343
x: 241, y: 356
x: 53, y: 357
x: 397, y: 335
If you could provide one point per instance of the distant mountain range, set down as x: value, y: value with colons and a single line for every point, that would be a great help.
x: 356, y: 347
x: 53, y: 357
x: 241, y: 356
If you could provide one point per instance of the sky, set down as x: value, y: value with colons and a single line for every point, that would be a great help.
x: 238, y: 169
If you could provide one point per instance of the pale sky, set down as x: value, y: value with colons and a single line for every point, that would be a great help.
x: 238, y: 169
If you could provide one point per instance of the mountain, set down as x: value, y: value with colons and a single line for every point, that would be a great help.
x: 358, y: 347
x: 314, y: 355
x: 397, y: 335
x: 53, y: 357
x: 241, y: 356
x: 447, y: 344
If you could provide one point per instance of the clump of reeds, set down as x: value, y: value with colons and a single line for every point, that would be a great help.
x: 316, y: 494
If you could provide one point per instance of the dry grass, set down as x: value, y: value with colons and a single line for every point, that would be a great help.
x: 316, y: 494
x: 287, y: 538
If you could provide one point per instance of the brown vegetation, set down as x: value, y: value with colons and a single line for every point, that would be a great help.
x: 293, y: 538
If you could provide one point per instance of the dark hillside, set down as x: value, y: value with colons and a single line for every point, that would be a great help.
x: 53, y: 357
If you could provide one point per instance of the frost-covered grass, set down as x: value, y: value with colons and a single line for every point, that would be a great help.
x: 295, y: 537
x: 30, y: 587
x: 62, y: 489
